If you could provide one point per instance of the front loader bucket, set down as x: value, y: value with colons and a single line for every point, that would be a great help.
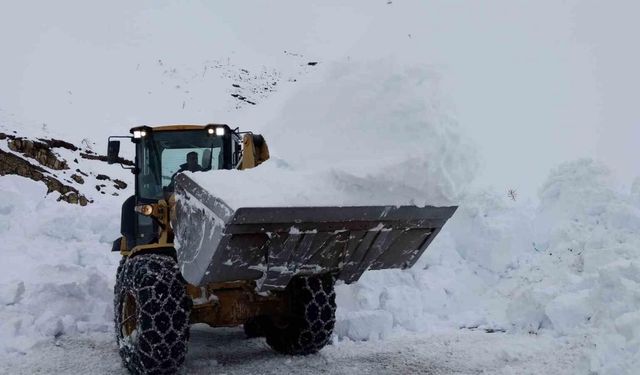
x: 216, y: 243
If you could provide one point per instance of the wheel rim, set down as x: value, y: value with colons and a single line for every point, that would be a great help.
x: 129, y: 311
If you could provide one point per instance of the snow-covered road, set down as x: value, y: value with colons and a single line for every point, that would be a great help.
x: 226, y: 351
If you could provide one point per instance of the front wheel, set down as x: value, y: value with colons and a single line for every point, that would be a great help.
x: 309, y: 326
x: 151, y: 315
x: 254, y: 327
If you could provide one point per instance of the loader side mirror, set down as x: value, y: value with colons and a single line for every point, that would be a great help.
x: 113, y: 149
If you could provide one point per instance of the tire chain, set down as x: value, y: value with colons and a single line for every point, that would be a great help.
x: 162, y: 314
x: 313, y: 306
x: 117, y: 290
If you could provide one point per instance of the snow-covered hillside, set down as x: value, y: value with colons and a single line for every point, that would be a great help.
x: 351, y: 100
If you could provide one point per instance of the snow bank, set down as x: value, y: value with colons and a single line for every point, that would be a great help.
x: 370, y: 133
x: 57, y: 271
x: 569, y: 267
x: 589, y: 262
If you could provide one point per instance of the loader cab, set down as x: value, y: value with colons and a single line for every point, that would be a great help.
x: 161, y: 153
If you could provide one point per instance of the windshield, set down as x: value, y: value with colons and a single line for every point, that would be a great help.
x: 163, y: 155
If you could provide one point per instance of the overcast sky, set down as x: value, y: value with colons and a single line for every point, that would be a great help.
x: 533, y: 83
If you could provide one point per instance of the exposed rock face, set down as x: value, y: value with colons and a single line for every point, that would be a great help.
x: 13, y: 164
x: 41, y: 151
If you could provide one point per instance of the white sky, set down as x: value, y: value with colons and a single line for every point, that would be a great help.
x: 533, y: 83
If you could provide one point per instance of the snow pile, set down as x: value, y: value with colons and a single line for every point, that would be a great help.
x: 370, y: 133
x: 56, y: 274
x: 445, y: 289
x: 568, y: 267
x: 588, y: 237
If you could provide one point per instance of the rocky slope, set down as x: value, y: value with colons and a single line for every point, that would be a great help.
x: 60, y: 165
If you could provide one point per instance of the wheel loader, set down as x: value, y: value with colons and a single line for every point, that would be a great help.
x: 189, y: 257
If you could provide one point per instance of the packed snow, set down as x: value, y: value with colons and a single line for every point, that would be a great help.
x: 567, y: 268
x: 384, y: 141
x: 226, y: 351
x: 57, y: 272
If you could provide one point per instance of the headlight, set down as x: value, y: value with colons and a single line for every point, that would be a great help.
x: 145, y: 209
x: 220, y: 131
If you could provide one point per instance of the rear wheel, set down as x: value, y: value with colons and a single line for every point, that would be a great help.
x: 310, y: 324
x: 151, y: 315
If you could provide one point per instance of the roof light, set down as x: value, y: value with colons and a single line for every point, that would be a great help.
x: 210, y: 130
x: 219, y: 131
x: 139, y: 133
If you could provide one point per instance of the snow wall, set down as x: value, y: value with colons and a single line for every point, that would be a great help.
x: 57, y: 271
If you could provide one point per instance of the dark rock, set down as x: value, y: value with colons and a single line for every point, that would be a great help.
x: 104, y: 158
x: 74, y: 198
x: 53, y: 143
x: 119, y: 184
x: 77, y: 178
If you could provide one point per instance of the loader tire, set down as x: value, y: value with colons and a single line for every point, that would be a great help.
x: 251, y: 329
x: 254, y: 327
x: 118, y: 288
x: 309, y: 326
x: 151, y: 315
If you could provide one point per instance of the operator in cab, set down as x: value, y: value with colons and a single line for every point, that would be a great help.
x: 192, y: 163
